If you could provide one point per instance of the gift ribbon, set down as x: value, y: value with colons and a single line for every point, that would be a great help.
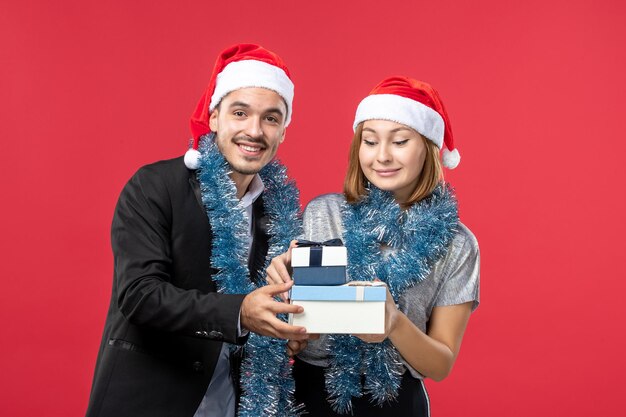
x: 315, y: 254
x: 310, y: 243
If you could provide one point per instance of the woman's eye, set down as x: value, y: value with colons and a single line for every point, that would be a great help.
x: 401, y: 142
x: 369, y: 142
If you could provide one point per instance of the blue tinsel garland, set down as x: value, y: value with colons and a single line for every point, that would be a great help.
x: 417, y: 237
x: 266, y: 382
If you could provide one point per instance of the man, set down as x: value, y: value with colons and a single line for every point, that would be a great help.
x: 189, y: 227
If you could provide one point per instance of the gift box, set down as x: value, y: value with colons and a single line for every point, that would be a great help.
x: 348, y: 309
x: 317, y: 263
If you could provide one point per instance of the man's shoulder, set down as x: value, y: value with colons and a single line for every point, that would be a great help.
x: 160, y: 175
x: 165, y: 166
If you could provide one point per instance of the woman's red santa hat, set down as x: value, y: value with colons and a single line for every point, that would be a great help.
x: 415, y: 104
x: 240, y: 66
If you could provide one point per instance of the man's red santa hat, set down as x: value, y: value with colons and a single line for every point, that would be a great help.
x: 240, y: 66
x: 415, y: 104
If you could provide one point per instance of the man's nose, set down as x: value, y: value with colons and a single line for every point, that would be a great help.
x: 253, y: 127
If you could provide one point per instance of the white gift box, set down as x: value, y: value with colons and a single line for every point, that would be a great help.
x: 347, y: 309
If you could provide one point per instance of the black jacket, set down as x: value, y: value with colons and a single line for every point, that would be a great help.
x: 166, y: 323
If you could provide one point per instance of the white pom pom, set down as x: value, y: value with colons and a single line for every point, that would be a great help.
x: 192, y: 159
x: 451, y: 158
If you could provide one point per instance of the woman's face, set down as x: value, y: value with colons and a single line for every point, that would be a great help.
x: 391, y: 156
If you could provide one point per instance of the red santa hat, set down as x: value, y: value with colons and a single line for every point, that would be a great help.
x: 239, y: 66
x: 415, y: 104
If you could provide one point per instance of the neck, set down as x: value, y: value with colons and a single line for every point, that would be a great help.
x: 242, y: 182
x: 401, y: 200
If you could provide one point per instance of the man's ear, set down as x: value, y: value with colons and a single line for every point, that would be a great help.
x: 282, y: 138
x: 213, y: 124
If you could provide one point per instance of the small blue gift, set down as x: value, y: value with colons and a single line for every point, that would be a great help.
x: 319, y: 263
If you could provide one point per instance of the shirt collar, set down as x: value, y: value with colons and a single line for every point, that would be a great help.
x: 255, y: 189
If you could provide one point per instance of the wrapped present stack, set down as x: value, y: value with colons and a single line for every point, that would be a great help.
x: 331, y: 304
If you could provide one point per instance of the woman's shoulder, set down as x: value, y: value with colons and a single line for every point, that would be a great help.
x: 331, y: 202
x: 463, y: 252
x: 322, y: 217
x: 464, y: 238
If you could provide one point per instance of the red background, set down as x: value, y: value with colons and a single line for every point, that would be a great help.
x: 93, y: 90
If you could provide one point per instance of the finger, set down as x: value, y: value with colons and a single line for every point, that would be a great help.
x: 284, y: 308
x: 364, y: 337
x: 377, y: 280
x: 280, y: 269
x: 294, y: 347
x: 272, y: 277
x: 275, y: 289
x: 282, y: 272
x: 287, y: 331
x: 293, y: 344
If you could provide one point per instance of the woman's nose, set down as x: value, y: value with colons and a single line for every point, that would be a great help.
x: 383, y: 154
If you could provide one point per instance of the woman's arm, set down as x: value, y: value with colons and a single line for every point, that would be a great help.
x: 432, y: 354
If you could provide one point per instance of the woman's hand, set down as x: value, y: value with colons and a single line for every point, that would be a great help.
x: 296, y: 346
x: 391, y: 319
x: 279, y: 270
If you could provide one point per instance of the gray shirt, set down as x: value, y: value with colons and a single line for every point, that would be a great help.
x: 454, y: 279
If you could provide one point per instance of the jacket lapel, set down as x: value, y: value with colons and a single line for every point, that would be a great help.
x: 260, y: 241
x: 195, y: 186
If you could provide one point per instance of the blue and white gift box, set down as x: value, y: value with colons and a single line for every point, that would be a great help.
x: 355, y: 308
x: 319, y: 263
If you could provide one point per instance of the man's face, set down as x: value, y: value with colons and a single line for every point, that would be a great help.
x: 249, y: 124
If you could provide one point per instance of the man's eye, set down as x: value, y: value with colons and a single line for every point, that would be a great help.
x: 272, y: 119
x: 239, y: 113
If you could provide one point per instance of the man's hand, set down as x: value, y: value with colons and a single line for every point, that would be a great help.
x: 259, y: 310
x: 279, y: 270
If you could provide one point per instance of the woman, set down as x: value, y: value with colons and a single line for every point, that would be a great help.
x: 399, y: 221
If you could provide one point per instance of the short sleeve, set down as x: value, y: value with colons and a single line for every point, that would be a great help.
x: 461, y: 282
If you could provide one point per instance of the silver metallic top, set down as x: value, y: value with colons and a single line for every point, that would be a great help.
x: 454, y: 279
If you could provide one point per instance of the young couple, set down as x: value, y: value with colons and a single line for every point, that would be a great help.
x: 193, y: 238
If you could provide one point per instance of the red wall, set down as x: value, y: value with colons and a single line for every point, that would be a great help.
x: 93, y: 90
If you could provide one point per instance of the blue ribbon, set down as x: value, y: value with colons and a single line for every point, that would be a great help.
x: 315, y: 254
x: 309, y: 243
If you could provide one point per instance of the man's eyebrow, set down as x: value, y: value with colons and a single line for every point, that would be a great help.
x: 247, y: 106
x: 239, y: 104
x: 275, y: 110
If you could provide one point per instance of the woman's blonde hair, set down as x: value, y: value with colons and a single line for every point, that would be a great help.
x: 354, y: 186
